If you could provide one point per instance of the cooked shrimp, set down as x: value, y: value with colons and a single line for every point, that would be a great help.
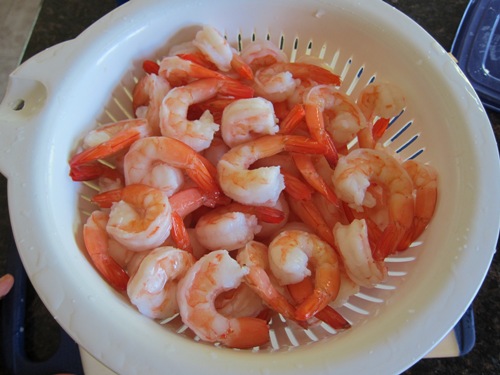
x: 230, y: 227
x: 261, y: 53
x: 178, y: 71
x: 110, y: 139
x: 210, y: 276
x: 254, y: 256
x: 424, y: 178
x: 215, y: 48
x: 239, y: 302
x: 354, y: 174
x: 147, y: 152
x: 343, y: 118
x: 216, y: 150
x: 246, y: 119
x: 261, y: 186
x: 153, y: 288
x: 267, y: 228
x: 278, y: 82
x: 159, y: 175
x: 140, y: 216
x: 96, y: 241
x: 197, y: 134
x: 108, y: 178
x: 290, y: 254
x: 147, y: 97
x: 354, y: 248
x: 6, y: 283
x: 379, y: 99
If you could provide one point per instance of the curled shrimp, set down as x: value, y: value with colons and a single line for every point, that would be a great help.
x: 247, y: 119
x: 424, y: 178
x: 261, y: 186
x: 379, y: 99
x: 230, y: 227
x: 147, y: 152
x: 215, y: 48
x: 353, y: 175
x: 279, y: 81
x: 290, y: 254
x: 96, y: 239
x: 261, y: 53
x: 213, y: 274
x: 239, y: 302
x: 343, y: 118
x: 354, y: 248
x: 140, y: 216
x: 254, y: 256
x: 153, y: 288
x: 147, y: 97
x: 197, y: 134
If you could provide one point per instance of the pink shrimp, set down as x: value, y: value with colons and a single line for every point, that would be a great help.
x: 424, y: 179
x: 261, y: 186
x: 110, y: 139
x: 239, y: 302
x: 153, y: 287
x: 96, y: 241
x: 291, y: 253
x: 197, y: 134
x: 254, y: 255
x: 152, y: 150
x: 261, y: 53
x: 213, y: 274
x: 354, y: 174
x: 147, y: 97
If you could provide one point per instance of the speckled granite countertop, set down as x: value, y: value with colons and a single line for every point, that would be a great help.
x: 61, y: 20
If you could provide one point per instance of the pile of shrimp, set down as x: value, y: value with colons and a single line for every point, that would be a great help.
x: 248, y: 185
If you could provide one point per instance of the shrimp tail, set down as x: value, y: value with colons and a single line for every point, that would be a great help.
x: 292, y: 119
x: 316, y: 124
x: 92, y: 171
x: 388, y: 242
x: 304, y: 145
x: 180, y: 234
x: 240, y: 67
x: 150, y: 67
x: 235, y: 89
x: 332, y: 317
x: 296, y: 188
x: 251, y: 332
x: 269, y: 214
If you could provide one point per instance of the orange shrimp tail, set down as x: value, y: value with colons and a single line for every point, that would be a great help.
x: 316, y: 73
x: 315, y: 302
x: 379, y: 128
x: 150, y: 67
x: 107, y: 198
x: 292, y: 119
x: 235, y: 89
x: 106, y: 149
x: 331, y: 317
x: 280, y: 109
x: 269, y: 214
x: 249, y: 333
x: 199, y: 59
x: 316, y: 124
x: 92, y: 171
x: 241, y: 67
x: 296, y: 188
x: 388, y: 242
x: 179, y: 233
x: 303, y: 145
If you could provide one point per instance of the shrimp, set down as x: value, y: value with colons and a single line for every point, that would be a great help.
x: 147, y: 152
x: 96, y: 241
x: 210, y: 276
x: 108, y: 178
x: 147, y: 97
x: 354, y: 174
x: 140, y: 216
x: 246, y: 119
x: 153, y: 288
x: 382, y: 99
x: 424, y: 179
x: 343, y: 118
x: 354, y: 248
x: 239, y: 302
x: 254, y: 255
x: 6, y: 283
x: 261, y: 53
x: 159, y: 175
x: 290, y: 253
x: 110, y: 139
x: 215, y: 48
x: 178, y: 71
x: 230, y: 227
x: 261, y: 186
x: 197, y: 134
x: 267, y: 229
x: 279, y: 81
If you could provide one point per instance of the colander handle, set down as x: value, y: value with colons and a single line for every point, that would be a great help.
x: 24, y: 104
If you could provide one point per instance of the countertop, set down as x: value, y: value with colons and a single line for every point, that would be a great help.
x: 60, y: 20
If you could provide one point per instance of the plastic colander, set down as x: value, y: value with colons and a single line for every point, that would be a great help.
x: 54, y: 98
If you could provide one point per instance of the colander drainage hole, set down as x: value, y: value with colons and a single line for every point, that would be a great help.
x: 18, y: 105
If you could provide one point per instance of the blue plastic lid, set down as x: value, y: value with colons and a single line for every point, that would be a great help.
x: 477, y: 49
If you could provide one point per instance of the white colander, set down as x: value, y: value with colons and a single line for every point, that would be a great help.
x: 57, y: 96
